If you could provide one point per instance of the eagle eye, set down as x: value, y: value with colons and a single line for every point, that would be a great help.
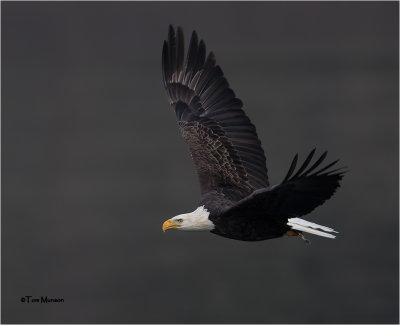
x: 179, y: 220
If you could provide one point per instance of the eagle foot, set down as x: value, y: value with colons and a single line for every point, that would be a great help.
x: 304, y: 238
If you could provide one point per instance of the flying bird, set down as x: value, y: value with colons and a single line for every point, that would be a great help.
x: 237, y: 200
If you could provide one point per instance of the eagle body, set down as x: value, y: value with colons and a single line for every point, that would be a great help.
x: 251, y: 225
x: 237, y: 200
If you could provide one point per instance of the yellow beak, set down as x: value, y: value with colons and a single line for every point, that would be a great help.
x: 169, y: 224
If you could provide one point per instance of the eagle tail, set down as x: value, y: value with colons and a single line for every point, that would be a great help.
x: 312, y: 228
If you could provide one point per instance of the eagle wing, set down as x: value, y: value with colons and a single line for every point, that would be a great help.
x: 223, y: 142
x: 297, y: 195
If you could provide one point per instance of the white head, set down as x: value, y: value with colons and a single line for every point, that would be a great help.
x: 196, y: 220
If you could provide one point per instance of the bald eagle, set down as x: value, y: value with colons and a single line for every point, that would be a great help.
x: 237, y: 200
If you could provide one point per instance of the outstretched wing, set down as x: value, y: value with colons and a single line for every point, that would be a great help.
x: 223, y: 142
x: 298, y: 194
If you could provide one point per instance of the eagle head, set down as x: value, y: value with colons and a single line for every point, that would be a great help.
x: 196, y: 220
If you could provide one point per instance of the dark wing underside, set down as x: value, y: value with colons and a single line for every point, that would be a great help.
x: 223, y: 142
x: 297, y: 195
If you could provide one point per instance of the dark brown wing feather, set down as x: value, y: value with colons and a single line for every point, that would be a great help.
x: 223, y: 142
x: 216, y: 161
x: 297, y: 195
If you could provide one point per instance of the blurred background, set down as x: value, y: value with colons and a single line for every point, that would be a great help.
x: 93, y: 163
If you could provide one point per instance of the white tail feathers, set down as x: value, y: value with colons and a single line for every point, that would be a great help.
x: 312, y: 228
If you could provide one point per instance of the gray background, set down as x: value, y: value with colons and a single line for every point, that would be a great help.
x: 93, y: 163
